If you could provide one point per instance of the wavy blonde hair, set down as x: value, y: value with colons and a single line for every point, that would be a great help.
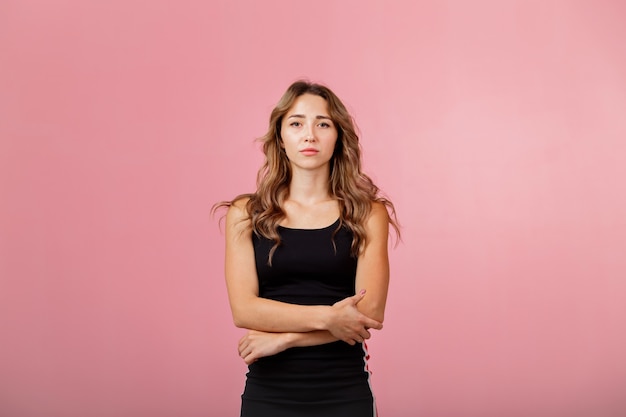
x: 354, y: 190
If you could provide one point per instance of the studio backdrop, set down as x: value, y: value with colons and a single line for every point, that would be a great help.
x: 496, y: 127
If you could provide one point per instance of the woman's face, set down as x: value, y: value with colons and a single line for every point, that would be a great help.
x: 308, y: 133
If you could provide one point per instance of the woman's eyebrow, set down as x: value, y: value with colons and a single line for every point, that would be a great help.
x: 302, y: 116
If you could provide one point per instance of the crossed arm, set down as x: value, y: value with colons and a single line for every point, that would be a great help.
x: 275, y: 326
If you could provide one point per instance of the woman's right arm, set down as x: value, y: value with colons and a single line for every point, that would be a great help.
x: 342, y: 320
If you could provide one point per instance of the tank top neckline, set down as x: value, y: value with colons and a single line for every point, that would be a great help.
x: 334, y: 224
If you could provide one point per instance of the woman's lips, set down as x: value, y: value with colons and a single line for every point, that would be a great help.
x: 309, y: 151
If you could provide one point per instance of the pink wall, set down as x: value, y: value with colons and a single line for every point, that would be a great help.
x: 497, y: 127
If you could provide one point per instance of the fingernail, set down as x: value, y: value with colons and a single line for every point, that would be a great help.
x: 362, y: 291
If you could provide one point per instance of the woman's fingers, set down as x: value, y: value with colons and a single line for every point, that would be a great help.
x: 369, y: 323
x: 350, y: 324
x: 256, y: 344
x: 363, y: 320
x: 358, y: 297
x: 243, y: 343
x: 244, y: 350
x: 364, y: 335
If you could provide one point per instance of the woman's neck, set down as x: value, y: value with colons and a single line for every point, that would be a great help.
x: 308, y: 188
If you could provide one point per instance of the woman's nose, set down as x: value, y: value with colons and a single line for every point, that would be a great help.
x: 308, y: 133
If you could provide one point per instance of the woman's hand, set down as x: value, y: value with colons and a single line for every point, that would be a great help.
x: 348, y: 324
x: 256, y: 344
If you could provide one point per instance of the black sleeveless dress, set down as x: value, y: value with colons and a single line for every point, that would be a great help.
x: 329, y: 380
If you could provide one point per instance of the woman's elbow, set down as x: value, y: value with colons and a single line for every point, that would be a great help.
x: 378, y: 316
x: 239, y: 319
x: 374, y: 312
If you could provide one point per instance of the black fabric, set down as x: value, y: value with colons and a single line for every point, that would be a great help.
x: 327, y: 380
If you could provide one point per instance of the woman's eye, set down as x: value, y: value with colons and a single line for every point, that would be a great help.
x: 295, y: 124
x: 324, y: 124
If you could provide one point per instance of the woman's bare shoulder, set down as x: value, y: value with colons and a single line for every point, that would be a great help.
x: 379, y: 212
x: 378, y: 219
x: 238, y: 211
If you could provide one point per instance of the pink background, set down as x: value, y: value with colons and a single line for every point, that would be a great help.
x: 497, y: 127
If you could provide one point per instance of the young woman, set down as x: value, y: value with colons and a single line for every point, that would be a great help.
x: 307, y: 269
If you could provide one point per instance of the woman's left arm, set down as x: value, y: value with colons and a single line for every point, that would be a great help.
x: 372, y: 273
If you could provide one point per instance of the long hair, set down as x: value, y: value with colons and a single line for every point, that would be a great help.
x: 353, y: 190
